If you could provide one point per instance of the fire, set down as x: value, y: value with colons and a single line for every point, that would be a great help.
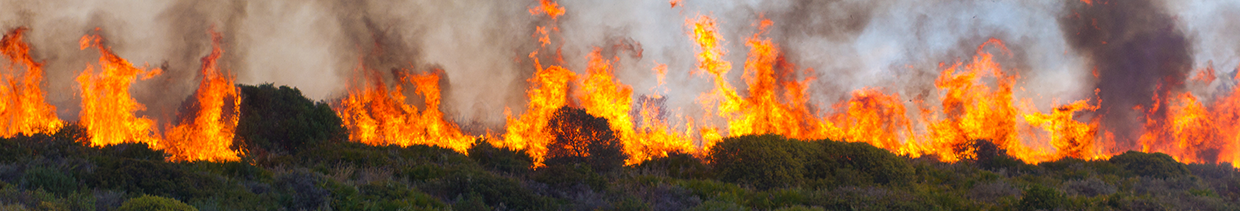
x: 878, y: 119
x: 548, y: 91
x: 548, y: 7
x: 107, y: 108
x: 209, y: 134
x: 1192, y: 131
x: 1070, y: 138
x: 23, y: 109
x: 377, y: 115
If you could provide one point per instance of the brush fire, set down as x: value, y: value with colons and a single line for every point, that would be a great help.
x: 753, y: 85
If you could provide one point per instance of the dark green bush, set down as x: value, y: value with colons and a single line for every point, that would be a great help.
x: 282, y: 121
x: 152, y: 177
x: 564, y: 177
x: 134, y: 151
x: 1157, y: 165
x: 50, y: 179
x: 584, y: 138
x: 764, y: 161
x: 500, y: 159
x: 1039, y: 197
x: 148, y: 203
x: 677, y: 165
x: 851, y: 163
x: 493, y: 190
x: 302, y: 190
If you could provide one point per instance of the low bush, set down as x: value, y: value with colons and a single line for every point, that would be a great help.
x: 148, y: 202
x: 52, y: 180
x: 764, y: 161
x: 1150, y: 164
x: 500, y: 159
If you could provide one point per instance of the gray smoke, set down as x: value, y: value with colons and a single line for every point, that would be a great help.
x: 1138, y: 52
x: 483, y: 46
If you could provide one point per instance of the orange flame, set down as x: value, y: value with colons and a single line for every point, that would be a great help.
x: 209, y: 135
x: 107, y: 107
x: 1192, y: 132
x: 376, y: 115
x: 548, y: 92
x: 548, y: 7
x: 22, y: 107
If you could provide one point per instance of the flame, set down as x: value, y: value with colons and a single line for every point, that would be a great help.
x: 1192, y: 131
x: 548, y: 91
x: 107, y: 108
x: 23, y: 109
x: 376, y: 115
x: 604, y: 96
x: 1070, y: 138
x: 548, y: 7
x: 209, y: 134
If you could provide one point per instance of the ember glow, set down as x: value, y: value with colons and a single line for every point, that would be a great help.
x: 721, y: 75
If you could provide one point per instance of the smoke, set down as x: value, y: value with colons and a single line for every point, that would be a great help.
x: 1137, y: 51
x: 482, y: 46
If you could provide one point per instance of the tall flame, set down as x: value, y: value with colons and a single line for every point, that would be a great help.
x: 209, y: 134
x: 23, y: 109
x: 107, y: 108
x: 377, y: 115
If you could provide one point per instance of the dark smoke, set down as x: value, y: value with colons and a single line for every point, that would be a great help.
x: 1138, y: 53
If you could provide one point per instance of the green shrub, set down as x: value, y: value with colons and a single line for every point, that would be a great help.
x: 764, y: 161
x: 584, y: 138
x: 281, y: 120
x: 565, y: 177
x: 138, y: 151
x: 677, y: 165
x: 1039, y: 197
x: 302, y: 190
x: 491, y: 189
x: 718, y: 206
x: 851, y: 163
x: 500, y: 159
x: 152, y: 177
x: 52, y: 180
x: 800, y: 208
x: 150, y: 203
x: 1157, y: 165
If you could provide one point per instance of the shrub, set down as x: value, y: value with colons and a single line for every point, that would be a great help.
x: 152, y: 177
x: 281, y: 120
x: 50, y: 179
x: 149, y: 202
x: 138, y: 151
x: 565, y: 177
x: 989, y: 156
x: 302, y: 189
x: 1150, y: 164
x: 584, y: 138
x: 1039, y: 197
x: 677, y: 165
x: 764, y: 161
x: 493, y: 190
x: 854, y: 163
x: 500, y: 159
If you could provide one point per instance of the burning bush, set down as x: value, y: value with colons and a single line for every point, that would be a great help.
x: 584, y: 138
